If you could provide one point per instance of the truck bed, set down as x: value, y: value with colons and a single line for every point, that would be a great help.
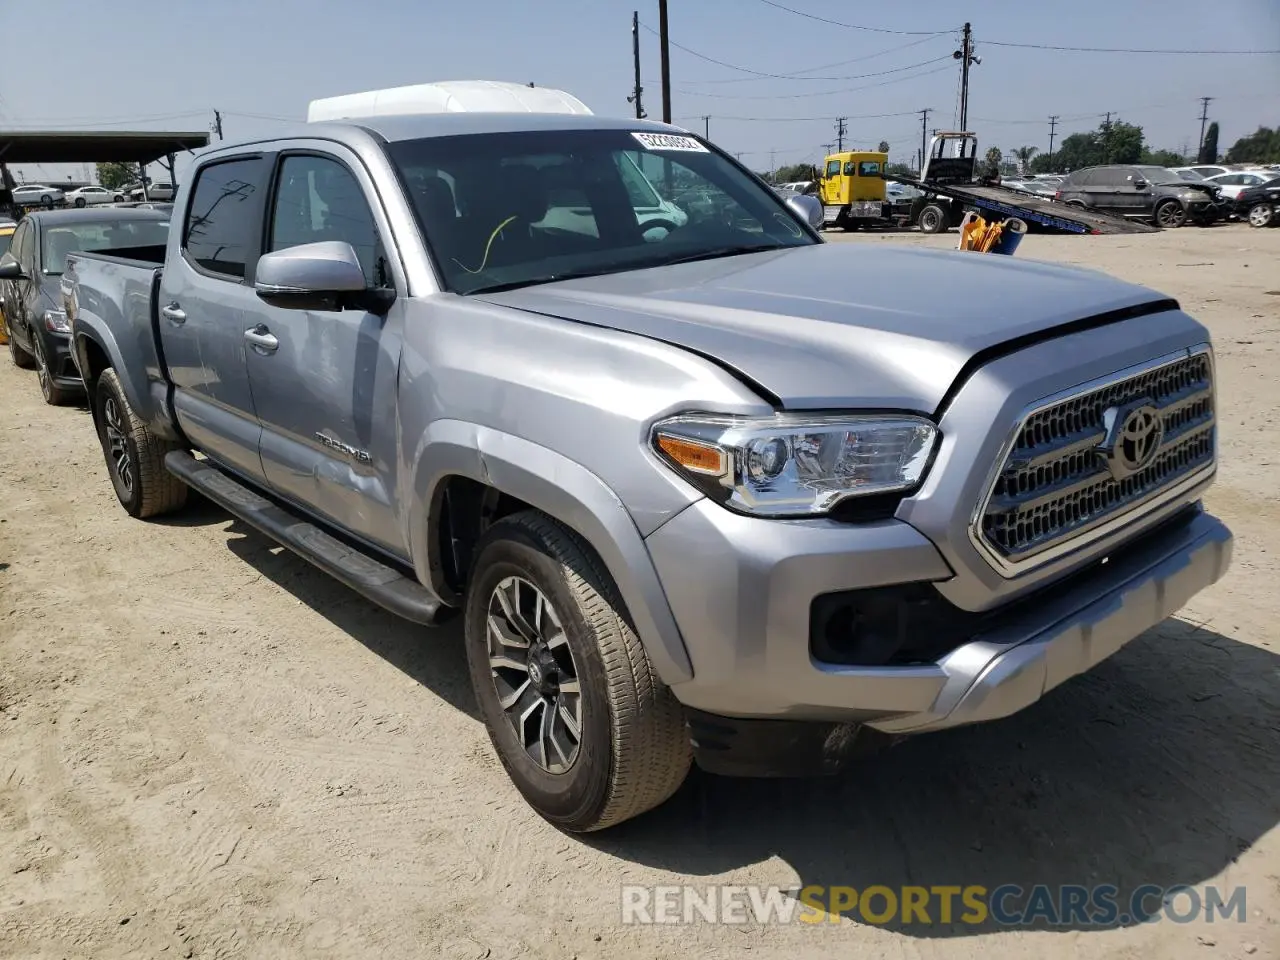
x: 1049, y: 214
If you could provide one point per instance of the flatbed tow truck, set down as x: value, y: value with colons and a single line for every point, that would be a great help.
x: 950, y: 186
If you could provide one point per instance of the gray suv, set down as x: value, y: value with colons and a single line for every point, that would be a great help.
x: 710, y: 490
x: 1141, y: 192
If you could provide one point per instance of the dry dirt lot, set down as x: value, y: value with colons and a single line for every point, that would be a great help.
x: 208, y: 749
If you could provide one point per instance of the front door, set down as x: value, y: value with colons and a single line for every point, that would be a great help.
x: 324, y: 382
x: 206, y: 298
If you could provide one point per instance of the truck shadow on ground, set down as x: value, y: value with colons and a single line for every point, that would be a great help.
x: 1160, y: 767
x: 434, y: 657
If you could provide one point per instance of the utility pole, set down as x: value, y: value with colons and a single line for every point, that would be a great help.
x: 1053, y: 126
x: 840, y: 132
x: 706, y: 128
x: 635, y: 55
x: 966, y: 57
x: 924, y: 134
x: 664, y: 41
x: 773, y: 166
x: 217, y: 123
x: 1204, y: 117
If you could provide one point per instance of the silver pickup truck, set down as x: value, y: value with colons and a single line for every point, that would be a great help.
x: 712, y: 490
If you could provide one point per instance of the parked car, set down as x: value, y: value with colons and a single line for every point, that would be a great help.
x: 1260, y: 205
x: 1234, y: 183
x: 31, y: 276
x: 1036, y: 188
x: 154, y: 191
x: 88, y: 196
x: 1205, y: 170
x: 736, y: 495
x: 1142, y: 192
x: 37, y: 194
x: 144, y: 205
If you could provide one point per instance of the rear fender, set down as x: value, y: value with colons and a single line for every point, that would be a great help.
x: 133, y: 363
x: 562, y: 489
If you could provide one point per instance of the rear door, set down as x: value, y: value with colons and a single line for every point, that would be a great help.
x: 325, y: 387
x: 207, y: 302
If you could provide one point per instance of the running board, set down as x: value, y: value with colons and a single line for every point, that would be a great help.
x: 364, y: 574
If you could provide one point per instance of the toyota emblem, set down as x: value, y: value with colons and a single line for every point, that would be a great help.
x: 1134, y: 435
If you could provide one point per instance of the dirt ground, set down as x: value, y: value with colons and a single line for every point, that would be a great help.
x: 209, y: 749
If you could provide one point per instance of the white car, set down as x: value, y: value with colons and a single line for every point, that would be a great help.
x: 1205, y: 170
x: 87, y: 196
x: 155, y: 191
x: 1233, y: 183
x: 36, y: 194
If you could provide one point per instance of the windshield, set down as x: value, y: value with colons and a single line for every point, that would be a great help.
x: 509, y: 209
x: 100, y: 236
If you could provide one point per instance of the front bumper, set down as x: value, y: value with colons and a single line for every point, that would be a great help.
x: 62, y: 363
x: 742, y: 592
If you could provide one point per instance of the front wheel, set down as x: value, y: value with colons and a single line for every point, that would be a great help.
x: 81, y: 201
x: 134, y: 455
x: 53, y: 394
x: 585, y: 729
x: 1170, y: 214
x: 1260, y: 215
x: 933, y: 219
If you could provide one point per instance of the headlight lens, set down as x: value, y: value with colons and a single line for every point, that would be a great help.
x: 56, y: 321
x: 792, y: 466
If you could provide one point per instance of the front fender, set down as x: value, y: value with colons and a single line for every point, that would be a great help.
x: 560, y: 488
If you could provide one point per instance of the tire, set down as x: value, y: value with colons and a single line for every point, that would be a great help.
x: 1170, y: 214
x: 1260, y: 215
x: 633, y: 750
x: 21, y: 359
x: 933, y: 219
x: 1077, y: 204
x: 53, y: 394
x: 119, y: 198
x: 80, y: 202
x: 144, y: 488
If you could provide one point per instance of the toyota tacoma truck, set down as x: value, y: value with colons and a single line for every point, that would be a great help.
x: 715, y: 492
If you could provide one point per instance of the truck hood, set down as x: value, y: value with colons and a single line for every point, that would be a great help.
x: 827, y: 325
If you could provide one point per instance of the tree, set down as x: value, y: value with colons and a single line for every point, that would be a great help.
x: 1209, y: 149
x: 1162, y: 158
x: 115, y: 175
x: 884, y: 146
x: 901, y: 170
x: 994, y: 158
x: 1045, y: 163
x: 1261, y: 146
x: 1079, y: 150
x: 797, y: 171
x: 1121, y: 142
x: 1024, y: 155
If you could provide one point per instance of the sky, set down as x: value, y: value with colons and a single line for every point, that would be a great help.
x: 782, y: 80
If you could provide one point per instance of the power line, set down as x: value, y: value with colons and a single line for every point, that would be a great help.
x: 817, y: 93
x: 1047, y: 46
x: 863, y: 116
x: 784, y: 76
x: 855, y: 26
x: 823, y: 66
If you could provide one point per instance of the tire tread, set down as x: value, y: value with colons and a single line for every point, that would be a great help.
x: 161, y: 491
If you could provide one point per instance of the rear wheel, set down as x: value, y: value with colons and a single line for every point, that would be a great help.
x: 134, y: 455
x: 1260, y: 215
x: 585, y: 729
x: 933, y: 219
x: 1170, y: 214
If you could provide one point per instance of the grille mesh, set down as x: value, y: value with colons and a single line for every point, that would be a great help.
x: 1055, y: 485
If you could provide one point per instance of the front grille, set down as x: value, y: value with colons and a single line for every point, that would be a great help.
x: 1055, y: 483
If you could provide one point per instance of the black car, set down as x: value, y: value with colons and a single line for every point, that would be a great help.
x: 1260, y: 205
x: 1141, y: 192
x: 31, y: 283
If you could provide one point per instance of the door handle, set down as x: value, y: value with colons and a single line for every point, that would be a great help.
x: 262, y: 339
x: 173, y: 312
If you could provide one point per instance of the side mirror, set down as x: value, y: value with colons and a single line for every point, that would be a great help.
x: 1139, y: 183
x: 10, y: 269
x: 807, y: 207
x: 316, y: 276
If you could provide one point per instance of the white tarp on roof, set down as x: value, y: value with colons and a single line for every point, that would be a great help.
x: 447, y: 96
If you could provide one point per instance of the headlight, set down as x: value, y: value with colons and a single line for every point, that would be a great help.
x: 56, y: 321
x: 794, y: 466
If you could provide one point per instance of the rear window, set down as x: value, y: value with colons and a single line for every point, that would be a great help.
x: 221, y: 232
x: 85, y: 237
x: 869, y: 168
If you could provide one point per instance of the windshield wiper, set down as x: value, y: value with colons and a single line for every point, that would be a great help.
x: 716, y: 253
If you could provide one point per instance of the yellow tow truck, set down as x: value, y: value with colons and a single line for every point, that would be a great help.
x: 852, y: 189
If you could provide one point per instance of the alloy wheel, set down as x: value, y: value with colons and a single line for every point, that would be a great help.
x: 42, y: 368
x: 534, y: 673
x: 1260, y: 215
x: 117, y: 446
x: 1171, y: 215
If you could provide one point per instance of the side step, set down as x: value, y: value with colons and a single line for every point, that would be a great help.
x: 362, y: 573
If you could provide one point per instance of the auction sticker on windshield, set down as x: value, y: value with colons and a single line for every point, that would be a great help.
x: 669, y: 141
